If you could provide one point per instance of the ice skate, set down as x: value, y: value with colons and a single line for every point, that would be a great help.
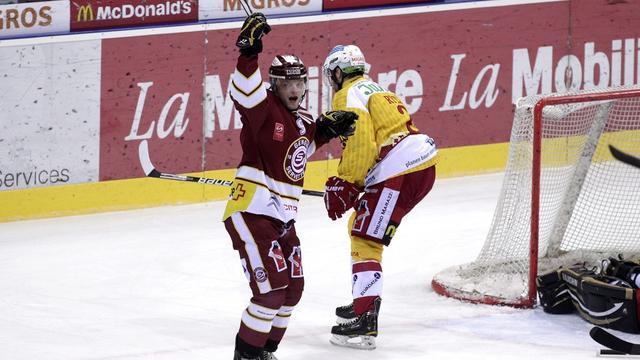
x: 360, y: 332
x: 264, y: 355
x: 238, y: 356
x: 345, y: 314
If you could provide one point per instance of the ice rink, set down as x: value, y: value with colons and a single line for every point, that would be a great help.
x: 165, y: 284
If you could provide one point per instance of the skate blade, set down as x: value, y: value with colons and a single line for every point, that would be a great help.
x: 361, y: 342
x: 342, y: 321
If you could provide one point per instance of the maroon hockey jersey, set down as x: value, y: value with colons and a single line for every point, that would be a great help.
x: 276, y: 143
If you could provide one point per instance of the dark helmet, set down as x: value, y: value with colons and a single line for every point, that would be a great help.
x: 286, y: 67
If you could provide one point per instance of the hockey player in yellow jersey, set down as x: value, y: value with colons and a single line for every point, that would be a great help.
x: 386, y: 168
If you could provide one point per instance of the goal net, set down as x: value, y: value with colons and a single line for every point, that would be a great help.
x: 564, y: 198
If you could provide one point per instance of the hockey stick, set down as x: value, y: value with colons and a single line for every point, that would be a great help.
x: 150, y: 171
x: 613, y: 342
x: 624, y: 157
x: 246, y: 7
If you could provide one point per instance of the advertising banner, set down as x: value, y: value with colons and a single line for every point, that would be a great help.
x: 459, y: 87
x: 351, y: 4
x: 152, y: 90
x: 49, y: 119
x: 101, y: 14
x: 224, y: 9
x: 36, y: 18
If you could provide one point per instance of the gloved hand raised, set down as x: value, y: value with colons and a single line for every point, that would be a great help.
x: 254, y: 28
x: 332, y: 124
x: 339, y: 196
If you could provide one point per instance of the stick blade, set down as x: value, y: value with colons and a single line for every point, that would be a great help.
x: 145, y: 161
x: 624, y: 157
x: 611, y: 341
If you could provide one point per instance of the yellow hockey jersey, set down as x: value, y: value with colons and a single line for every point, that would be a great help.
x: 385, y: 143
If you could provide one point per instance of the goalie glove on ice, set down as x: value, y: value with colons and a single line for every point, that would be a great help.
x: 254, y: 28
x: 339, y: 196
x: 332, y: 124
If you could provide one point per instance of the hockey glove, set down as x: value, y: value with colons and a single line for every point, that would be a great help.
x: 339, y: 196
x: 254, y: 28
x: 625, y: 270
x: 332, y: 124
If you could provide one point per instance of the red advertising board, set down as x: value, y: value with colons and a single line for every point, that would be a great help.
x: 352, y: 4
x: 101, y: 14
x: 459, y: 78
x: 151, y: 89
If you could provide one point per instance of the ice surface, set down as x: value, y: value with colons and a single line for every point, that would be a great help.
x: 165, y: 284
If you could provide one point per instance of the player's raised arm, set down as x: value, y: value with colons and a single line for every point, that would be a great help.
x: 247, y: 88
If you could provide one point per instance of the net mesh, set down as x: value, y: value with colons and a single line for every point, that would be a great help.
x: 589, y: 202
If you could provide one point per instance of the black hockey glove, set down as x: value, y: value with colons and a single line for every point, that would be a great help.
x: 625, y: 270
x: 332, y: 124
x: 254, y: 28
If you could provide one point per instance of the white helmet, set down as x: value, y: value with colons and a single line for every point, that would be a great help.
x: 348, y: 58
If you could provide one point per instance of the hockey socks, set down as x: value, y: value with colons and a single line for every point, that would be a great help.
x: 256, y: 324
x: 367, y: 285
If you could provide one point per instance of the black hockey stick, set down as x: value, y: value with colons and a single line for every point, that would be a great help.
x: 624, y: 157
x: 613, y: 342
x: 150, y: 171
x: 246, y: 7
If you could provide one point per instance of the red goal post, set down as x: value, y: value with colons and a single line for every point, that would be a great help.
x: 563, y: 200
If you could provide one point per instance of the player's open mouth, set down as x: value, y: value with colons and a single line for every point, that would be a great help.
x: 293, y: 98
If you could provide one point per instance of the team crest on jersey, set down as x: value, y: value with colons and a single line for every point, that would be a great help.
x: 296, y: 262
x: 260, y: 274
x: 278, y: 132
x: 278, y: 257
x: 296, y: 160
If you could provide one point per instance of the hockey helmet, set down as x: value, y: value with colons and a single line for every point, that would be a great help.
x: 348, y: 58
x: 288, y: 67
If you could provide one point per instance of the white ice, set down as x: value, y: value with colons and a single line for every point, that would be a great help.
x: 164, y: 283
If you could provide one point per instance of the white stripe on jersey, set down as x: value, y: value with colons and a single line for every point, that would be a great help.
x: 259, y: 177
x: 248, y: 91
x: 250, y: 246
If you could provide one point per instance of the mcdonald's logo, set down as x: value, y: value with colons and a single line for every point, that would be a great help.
x: 85, y: 13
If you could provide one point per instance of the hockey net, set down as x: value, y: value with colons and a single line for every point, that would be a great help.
x: 564, y: 199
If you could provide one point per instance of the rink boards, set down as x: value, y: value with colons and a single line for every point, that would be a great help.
x: 75, y: 107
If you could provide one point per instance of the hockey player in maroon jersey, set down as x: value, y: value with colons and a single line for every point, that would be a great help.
x: 276, y: 139
x: 388, y: 160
